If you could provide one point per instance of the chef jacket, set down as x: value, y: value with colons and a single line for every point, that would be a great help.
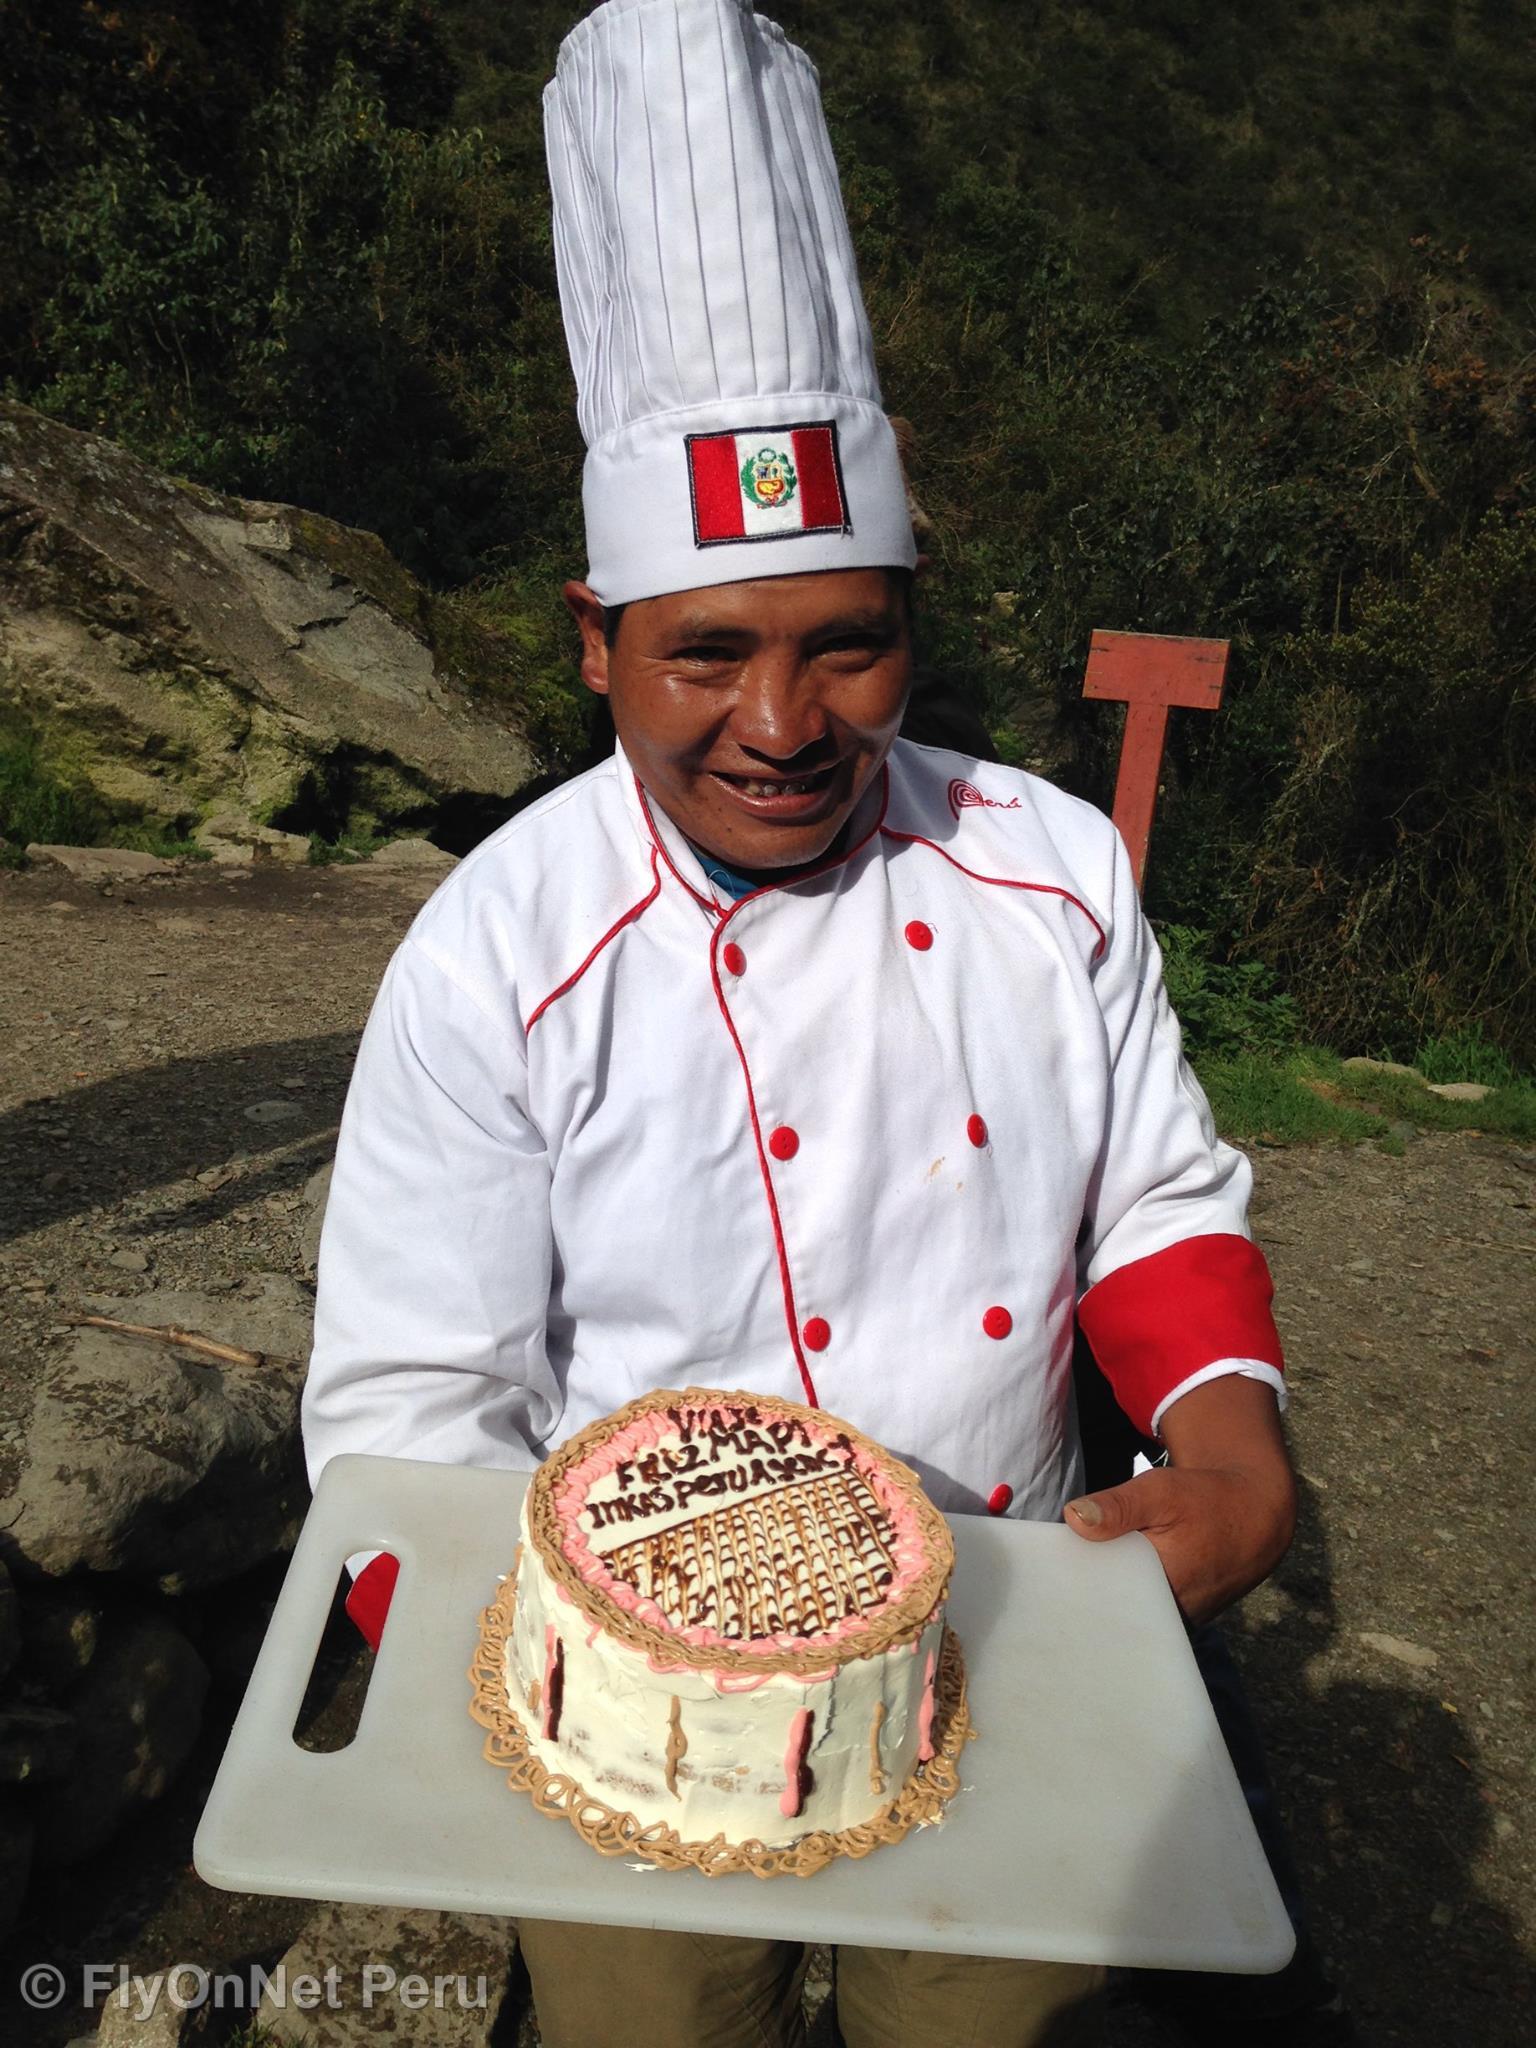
x: 870, y: 1138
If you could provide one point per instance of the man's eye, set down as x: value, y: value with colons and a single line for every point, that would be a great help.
x: 857, y: 643
x: 705, y: 654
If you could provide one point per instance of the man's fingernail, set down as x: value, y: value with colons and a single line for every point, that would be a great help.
x: 1088, y: 1511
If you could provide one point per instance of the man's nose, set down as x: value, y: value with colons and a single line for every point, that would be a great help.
x: 777, y: 714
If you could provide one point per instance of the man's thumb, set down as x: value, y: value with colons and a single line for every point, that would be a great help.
x: 1098, y: 1516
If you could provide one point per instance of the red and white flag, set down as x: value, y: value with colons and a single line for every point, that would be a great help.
x: 765, y: 483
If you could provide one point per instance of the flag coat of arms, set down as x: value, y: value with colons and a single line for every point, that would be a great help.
x: 766, y: 483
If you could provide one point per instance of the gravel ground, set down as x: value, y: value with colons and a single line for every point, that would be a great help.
x: 175, y: 1057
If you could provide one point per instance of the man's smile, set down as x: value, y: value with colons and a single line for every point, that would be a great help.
x: 775, y: 795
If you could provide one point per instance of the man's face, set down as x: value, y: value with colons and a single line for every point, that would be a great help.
x: 756, y: 714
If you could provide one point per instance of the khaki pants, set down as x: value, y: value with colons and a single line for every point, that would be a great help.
x: 622, y: 1987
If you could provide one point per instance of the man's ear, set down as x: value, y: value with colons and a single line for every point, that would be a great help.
x: 584, y: 607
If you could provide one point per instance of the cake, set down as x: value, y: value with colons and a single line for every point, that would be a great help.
x: 722, y: 1642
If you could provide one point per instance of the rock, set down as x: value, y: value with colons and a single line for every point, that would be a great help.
x: 276, y: 1111
x: 17, y: 1834
x: 1460, y: 1091
x: 317, y: 1191
x: 100, y: 863
x: 1399, y: 1651
x: 182, y: 651
x: 398, y: 1958
x: 129, y: 1262
x: 139, y: 1708
x: 239, y: 841
x: 143, y: 1459
x: 37, y: 1745
x: 60, y: 1633
x: 10, y: 1623
x: 148, y: 2012
x: 418, y: 854
x: 1360, y: 1065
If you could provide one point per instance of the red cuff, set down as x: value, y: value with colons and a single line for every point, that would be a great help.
x: 368, y: 1602
x: 1154, y: 1322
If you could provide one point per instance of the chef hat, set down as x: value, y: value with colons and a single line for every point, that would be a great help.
x: 724, y: 364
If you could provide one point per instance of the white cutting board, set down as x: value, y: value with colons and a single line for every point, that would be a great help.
x: 1101, y: 1820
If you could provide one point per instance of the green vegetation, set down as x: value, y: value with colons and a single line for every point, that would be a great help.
x: 1209, y: 321
x: 1310, y: 1098
x: 41, y: 804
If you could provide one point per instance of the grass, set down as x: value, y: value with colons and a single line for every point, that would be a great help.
x: 40, y: 807
x: 1309, y: 1097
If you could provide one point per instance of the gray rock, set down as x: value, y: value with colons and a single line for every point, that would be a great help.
x: 143, y: 2014
x: 417, y: 854
x: 278, y: 1111
x: 17, y: 1834
x: 130, y: 1261
x: 1361, y: 1065
x: 475, y: 1951
x: 1398, y: 1650
x: 144, y: 1459
x: 142, y: 1702
x: 234, y: 840
x: 100, y: 863
x: 10, y: 1623
x: 1460, y: 1091
x: 60, y: 1632
x: 185, y: 651
x: 37, y: 1745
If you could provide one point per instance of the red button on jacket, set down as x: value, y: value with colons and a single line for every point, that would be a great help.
x: 817, y: 1334
x: 919, y: 935
x: 999, y: 1500
x: 734, y: 958
x: 976, y: 1130
x: 997, y: 1322
x: 783, y: 1143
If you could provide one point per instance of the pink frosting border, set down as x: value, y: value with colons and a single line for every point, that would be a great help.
x: 644, y: 1433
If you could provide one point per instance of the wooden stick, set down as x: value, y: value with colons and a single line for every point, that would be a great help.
x: 206, y: 1347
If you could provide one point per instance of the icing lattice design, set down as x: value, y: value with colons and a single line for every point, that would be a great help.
x: 795, y: 1561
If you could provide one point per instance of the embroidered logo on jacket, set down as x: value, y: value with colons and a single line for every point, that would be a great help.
x: 965, y: 794
x: 766, y: 483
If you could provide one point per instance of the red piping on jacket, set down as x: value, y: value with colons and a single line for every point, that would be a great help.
x: 635, y: 910
x: 659, y: 844
x: 762, y: 1160
x: 1002, y: 881
x: 800, y: 875
x: 803, y: 875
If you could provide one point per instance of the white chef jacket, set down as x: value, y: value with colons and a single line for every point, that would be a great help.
x: 863, y: 1138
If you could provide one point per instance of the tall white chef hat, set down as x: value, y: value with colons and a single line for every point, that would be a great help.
x: 724, y: 364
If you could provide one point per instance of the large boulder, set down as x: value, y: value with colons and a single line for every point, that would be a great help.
x: 143, y: 1459
x: 404, y: 1976
x: 190, y: 656
x: 10, y: 1623
x: 137, y: 1713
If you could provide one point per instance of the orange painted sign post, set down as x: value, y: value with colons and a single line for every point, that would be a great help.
x: 1149, y: 673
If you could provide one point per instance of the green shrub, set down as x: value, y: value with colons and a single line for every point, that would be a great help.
x: 1226, y: 1008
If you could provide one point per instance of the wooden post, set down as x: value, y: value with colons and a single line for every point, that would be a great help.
x: 1149, y: 673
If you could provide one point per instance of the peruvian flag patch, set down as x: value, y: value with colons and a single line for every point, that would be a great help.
x: 766, y: 483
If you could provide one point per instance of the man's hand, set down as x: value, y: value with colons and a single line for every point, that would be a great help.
x: 1222, y: 1513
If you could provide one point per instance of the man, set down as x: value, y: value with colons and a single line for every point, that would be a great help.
x: 776, y: 1052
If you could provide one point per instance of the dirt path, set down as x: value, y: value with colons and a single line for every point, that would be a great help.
x: 175, y: 1056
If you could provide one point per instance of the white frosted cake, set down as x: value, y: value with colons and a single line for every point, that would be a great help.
x: 723, y: 1642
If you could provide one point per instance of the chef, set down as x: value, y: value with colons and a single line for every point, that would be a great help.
x: 778, y: 1052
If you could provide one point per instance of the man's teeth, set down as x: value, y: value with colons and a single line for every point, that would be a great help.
x: 778, y: 786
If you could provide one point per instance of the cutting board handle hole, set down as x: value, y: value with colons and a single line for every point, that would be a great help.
x: 338, y: 1682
